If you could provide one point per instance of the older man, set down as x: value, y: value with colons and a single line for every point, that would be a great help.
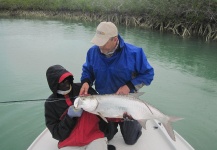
x: 116, y: 67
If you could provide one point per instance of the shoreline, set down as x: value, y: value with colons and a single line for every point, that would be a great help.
x: 180, y: 27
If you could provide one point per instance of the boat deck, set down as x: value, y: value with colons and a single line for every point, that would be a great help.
x: 154, y: 138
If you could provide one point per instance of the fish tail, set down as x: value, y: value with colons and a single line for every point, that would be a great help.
x: 143, y: 123
x: 167, y: 125
x: 174, y: 119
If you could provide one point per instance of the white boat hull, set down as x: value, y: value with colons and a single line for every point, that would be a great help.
x: 154, y: 138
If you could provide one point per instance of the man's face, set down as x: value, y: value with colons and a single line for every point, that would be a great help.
x: 109, y: 46
x: 64, y: 85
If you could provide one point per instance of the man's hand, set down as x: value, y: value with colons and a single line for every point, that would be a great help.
x: 73, y: 112
x: 84, y: 89
x: 127, y: 117
x: 123, y: 90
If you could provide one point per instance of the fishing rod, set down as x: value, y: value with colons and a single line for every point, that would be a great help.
x: 33, y: 100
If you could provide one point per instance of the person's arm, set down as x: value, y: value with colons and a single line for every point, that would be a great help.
x: 144, y: 71
x: 60, y: 129
x: 87, y: 70
x: 144, y: 74
x: 87, y: 76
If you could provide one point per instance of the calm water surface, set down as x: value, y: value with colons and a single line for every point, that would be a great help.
x: 185, y: 83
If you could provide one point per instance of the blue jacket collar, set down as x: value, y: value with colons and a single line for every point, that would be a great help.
x: 121, y: 41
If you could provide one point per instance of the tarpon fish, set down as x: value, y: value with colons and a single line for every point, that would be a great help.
x: 114, y: 106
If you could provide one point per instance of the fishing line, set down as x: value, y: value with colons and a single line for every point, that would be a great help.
x: 34, y: 100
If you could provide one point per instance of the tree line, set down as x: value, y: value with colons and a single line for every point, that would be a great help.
x: 182, y: 17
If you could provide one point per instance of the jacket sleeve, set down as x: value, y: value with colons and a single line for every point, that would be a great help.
x: 144, y: 71
x: 87, y: 70
x: 92, y: 91
x: 60, y: 129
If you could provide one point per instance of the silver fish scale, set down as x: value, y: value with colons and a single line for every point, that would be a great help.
x: 115, y: 105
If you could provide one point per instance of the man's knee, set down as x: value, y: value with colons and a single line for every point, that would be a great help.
x: 131, y: 131
x: 112, y: 130
x: 132, y: 140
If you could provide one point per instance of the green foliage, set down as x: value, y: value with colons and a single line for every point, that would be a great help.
x: 160, y: 9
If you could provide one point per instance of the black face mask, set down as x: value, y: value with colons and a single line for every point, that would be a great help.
x: 64, y: 85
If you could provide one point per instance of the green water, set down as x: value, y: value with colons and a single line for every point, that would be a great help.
x: 185, y: 82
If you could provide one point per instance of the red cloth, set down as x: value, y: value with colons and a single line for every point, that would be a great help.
x: 115, y: 119
x: 65, y: 75
x: 86, y: 130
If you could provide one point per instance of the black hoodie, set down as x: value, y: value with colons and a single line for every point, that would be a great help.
x: 56, y: 106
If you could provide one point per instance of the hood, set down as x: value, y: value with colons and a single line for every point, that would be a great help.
x: 56, y: 74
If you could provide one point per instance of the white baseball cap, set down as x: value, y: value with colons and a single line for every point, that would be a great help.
x: 104, y: 31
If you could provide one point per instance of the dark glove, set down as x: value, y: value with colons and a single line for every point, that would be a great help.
x: 127, y: 117
x: 73, y: 112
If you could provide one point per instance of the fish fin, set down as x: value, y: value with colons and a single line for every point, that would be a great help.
x: 168, y: 127
x: 98, y: 113
x: 169, y: 130
x: 137, y: 94
x: 143, y: 123
x: 174, y: 119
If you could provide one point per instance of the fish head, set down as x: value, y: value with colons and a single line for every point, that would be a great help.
x: 88, y: 103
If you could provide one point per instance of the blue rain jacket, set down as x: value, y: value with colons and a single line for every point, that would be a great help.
x: 129, y: 64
